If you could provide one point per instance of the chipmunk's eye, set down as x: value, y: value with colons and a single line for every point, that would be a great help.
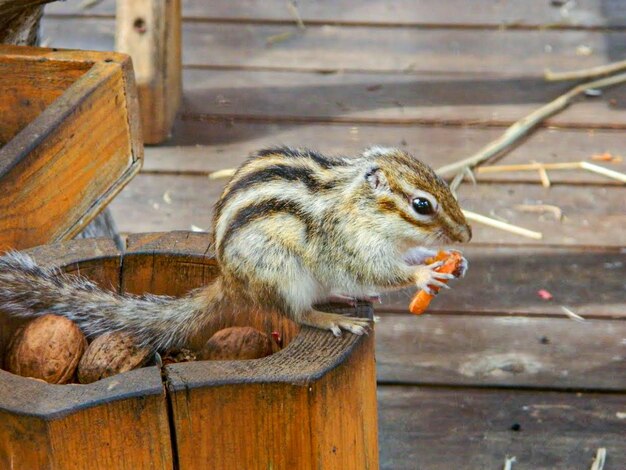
x: 422, y: 206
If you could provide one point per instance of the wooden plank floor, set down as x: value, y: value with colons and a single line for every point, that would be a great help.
x: 493, y: 370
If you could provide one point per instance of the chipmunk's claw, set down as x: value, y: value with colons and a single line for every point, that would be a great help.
x: 336, y: 323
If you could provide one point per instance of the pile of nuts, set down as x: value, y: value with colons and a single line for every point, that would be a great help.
x: 54, y: 349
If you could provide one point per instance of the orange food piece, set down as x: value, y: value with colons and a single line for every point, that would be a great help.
x: 453, y: 261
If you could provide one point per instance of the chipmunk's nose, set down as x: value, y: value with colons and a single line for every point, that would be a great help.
x: 465, y: 234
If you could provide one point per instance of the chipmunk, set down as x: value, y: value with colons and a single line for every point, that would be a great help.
x: 292, y: 229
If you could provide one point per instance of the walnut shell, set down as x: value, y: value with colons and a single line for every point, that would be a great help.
x: 111, y: 354
x: 47, y: 348
x: 237, y: 343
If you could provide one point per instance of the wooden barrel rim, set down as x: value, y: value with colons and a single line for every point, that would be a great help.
x: 312, y: 354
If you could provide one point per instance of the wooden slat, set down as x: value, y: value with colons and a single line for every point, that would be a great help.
x: 494, y: 75
x: 593, y: 215
x: 440, y: 429
x: 29, y: 87
x: 501, y: 52
x: 204, y: 147
x: 501, y: 351
x: 375, y: 98
x: 485, y: 12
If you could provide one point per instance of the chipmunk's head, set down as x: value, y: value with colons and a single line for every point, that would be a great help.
x: 417, y: 205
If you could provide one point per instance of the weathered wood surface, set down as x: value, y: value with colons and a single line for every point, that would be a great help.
x: 203, y: 147
x: 505, y: 280
x: 594, y: 216
x: 19, y: 21
x: 512, y: 352
x: 424, y: 82
x: 120, y: 422
x: 150, y: 32
x: 382, y: 49
x: 368, y: 98
x: 439, y: 429
x: 72, y: 150
x: 484, y: 13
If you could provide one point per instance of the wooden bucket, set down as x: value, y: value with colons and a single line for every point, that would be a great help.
x: 311, y: 405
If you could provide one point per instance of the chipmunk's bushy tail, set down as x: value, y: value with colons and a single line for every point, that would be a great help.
x: 161, y: 322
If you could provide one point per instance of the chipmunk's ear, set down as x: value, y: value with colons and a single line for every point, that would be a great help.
x: 377, y: 180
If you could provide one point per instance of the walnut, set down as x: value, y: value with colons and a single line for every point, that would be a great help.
x: 110, y: 354
x: 47, y: 348
x: 237, y: 343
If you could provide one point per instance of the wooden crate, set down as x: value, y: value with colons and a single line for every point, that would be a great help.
x: 311, y: 405
x: 69, y: 140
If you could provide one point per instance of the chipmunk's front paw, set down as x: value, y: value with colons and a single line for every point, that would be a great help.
x: 336, y: 322
x: 426, y: 277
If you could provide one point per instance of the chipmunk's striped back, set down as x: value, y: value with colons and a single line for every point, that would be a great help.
x: 278, y: 181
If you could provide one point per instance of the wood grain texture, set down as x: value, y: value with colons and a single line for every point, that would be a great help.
x: 29, y: 87
x: 363, y: 48
x: 366, y: 75
x: 120, y: 422
x: 312, y: 405
x: 78, y: 151
x: 150, y: 32
x: 369, y: 98
x: 501, y: 352
x: 440, y: 429
x: 511, y: 13
x: 200, y: 147
x: 594, y: 216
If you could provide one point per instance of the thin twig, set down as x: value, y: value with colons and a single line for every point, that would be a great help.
x: 543, y: 176
x: 520, y: 128
x: 527, y: 167
x: 225, y: 173
x: 508, y: 463
x: 582, y: 165
x: 293, y: 9
x: 598, y: 462
x: 586, y: 74
x: 603, y: 171
x: 572, y: 315
x: 473, y: 216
